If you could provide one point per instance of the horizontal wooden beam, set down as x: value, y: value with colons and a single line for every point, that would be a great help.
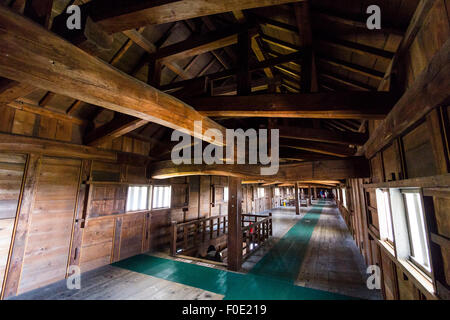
x: 348, y: 105
x: 357, y: 167
x: 33, y: 55
x: 120, y: 15
x: 47, y: 112
x: 21, y: 144
x: 119, y: 126
x: 349, y: 83
x: 321, y: 135
x: 323, y: 16
x: 353, y: 47
x: 431, y: 89
x: 197, y: 44
x: 377, y: 75
x: 318, y: 147
x: 231, y: 72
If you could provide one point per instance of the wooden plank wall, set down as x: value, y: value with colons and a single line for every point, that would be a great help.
x: 416, y: 159
x: 26, y: 123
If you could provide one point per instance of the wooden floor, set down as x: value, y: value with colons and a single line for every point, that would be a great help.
x: 332, y: 263
x: 112, y: 283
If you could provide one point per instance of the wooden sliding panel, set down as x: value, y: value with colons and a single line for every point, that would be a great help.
x: 97, y: 243
x: 49, y: 233
x: 132, y: 234
x: 12, y: 168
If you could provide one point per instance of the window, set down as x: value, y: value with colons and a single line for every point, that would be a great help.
x: 344, y: 197
x: 225, y: 194
x: 161, y: 197
x: 260, y: 192
x: 416, y: 229
x: 277, y: 192
x: 385, y: 216
x: 137, y: 198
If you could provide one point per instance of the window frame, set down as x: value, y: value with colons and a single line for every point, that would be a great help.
x: 154, y: 194
x: 263, y: 193
x: 225, y: 194
x: 411, y: 259
x: 388, y: 217
x: 149, y: 193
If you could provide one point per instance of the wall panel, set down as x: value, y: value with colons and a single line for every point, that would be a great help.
x: 47, y: 251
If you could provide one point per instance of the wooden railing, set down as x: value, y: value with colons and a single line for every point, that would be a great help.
x: 188, y: 235
x: 256, y: 229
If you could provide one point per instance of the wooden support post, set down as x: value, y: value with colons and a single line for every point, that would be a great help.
x: 297, y: 205
x: 234, y: 224
x: 315, y: 193
x: 80, y: 214
x: 20, y: 235
x: 173, y: 239
x: 243, y: 75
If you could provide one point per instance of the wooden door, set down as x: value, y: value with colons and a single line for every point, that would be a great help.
x: 51, y: 222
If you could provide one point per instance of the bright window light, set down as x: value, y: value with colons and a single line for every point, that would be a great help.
x: 137, y: 198
x: 260, y: 192
x: 416, y: 228
x: 344, y: 197
x: 225, y: 194
x: 161, y: 197
x: 384, y: 214
x: 277, y: 192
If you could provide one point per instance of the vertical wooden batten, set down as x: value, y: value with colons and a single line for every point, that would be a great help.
x: 21, y: 227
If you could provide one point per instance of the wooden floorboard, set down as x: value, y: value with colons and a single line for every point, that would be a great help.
x: 112, y: 283
x: 333, y: 262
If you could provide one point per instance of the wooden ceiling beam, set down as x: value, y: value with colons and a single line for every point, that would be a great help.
x: 377, y: 75
x: 321, y: 135
x: 353, y: 47
x: 74, y: 73
x: 318, y: 147
x: 322, y: 15
x: 197, y: 44
x: 119, y: 126
x: 357, y: 167
x: 126, y: 14
x: 348, y: 105
x: 280, y: 43
x: 122, y: 15
x: 349, y: 83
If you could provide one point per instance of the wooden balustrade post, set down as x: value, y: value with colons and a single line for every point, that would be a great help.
x: 211, y: 228
x: 173, y: 239
x: 270, y: 223
x: 218, y: 227
x: 185, y: 236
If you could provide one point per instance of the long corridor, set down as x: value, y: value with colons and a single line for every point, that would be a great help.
x: 311, y: 256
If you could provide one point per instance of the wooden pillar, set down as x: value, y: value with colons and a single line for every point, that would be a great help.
x: 20, y: 236
x: 243, y: 75
x: 234, y: 224
x: 297, y: 205
x: 315, y: 193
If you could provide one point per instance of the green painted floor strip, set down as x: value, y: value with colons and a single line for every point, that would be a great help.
x: 272, y: 278
x: 284, y: 259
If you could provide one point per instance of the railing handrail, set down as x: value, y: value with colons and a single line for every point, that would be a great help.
x: 255, y: 224
x: 198, y: 220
